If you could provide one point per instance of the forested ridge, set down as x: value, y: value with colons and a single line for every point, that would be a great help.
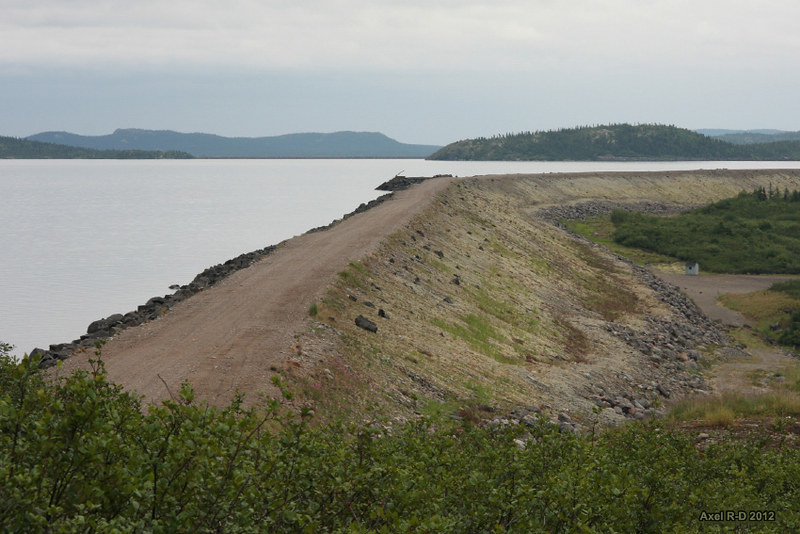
x: 346, y: 144
x: 613, y: 142
x: 13, y: 148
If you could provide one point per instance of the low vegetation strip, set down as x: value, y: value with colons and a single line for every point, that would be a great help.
x: 752, y: 233
x: 80, y: 454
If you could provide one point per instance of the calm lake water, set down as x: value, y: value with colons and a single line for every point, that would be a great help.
x: 82, y: 239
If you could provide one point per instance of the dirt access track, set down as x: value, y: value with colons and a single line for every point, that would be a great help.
x: 229, y: 337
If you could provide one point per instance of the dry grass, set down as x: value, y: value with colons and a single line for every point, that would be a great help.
x: 601, y: 230
x: 724, y: 409
x: 761, y: 306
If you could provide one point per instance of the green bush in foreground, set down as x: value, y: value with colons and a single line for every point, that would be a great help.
x: 81, y: 455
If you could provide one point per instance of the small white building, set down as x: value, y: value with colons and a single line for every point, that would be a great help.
x: 693, y: 268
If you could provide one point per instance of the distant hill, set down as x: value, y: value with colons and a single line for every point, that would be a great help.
x: 620, y: 142
x: 13, y: 148
x: 299, y: 145
x: 719, y: 132
x: 749, y: 137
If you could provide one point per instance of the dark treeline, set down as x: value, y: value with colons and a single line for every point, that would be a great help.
x: 13, y: 148
x: 613, y: 142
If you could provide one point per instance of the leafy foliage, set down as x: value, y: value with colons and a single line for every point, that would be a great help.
x: 790, y: 288
x: 13, y: 148
x: 789, y: 332
x: 613, y: 142
x: 791, y: 335
x: 756, y: 232
x: 80, y: 454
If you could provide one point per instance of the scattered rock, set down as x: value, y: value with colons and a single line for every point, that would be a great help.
x: 399, y: 182
x: 366, y: 324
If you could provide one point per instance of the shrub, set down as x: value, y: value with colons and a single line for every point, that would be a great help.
x: 751, y: 233
x: 81, y: 454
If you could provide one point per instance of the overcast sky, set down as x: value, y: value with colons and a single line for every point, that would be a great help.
x: 420, y: 71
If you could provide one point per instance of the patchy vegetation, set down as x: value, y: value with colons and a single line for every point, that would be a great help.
x: 476, y: 294
x: 601, y: 231
x: 757, y: 232
x: 775, y: 311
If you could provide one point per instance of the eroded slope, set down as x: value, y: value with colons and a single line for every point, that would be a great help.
x: 481, y: 304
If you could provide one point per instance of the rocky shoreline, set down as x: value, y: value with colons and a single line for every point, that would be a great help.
x: 399, y: 182
x: 103, y: 329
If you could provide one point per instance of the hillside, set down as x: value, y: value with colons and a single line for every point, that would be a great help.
x: 718, y: 132
x: 749, y: 137
x: 13, y: 148
x: 613, y: 142
x: 299, y: 145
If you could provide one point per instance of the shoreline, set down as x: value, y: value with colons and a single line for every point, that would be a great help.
x: 103, y: 329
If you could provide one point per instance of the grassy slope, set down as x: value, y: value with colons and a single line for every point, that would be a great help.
x: 526, y: 322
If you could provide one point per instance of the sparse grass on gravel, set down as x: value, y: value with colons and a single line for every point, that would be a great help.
x: 722, y: 410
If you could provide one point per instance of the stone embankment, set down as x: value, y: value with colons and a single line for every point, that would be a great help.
x: 596, y: 208
x: 105, y: 328
x: 398, y: 183
x: 364, y: 206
